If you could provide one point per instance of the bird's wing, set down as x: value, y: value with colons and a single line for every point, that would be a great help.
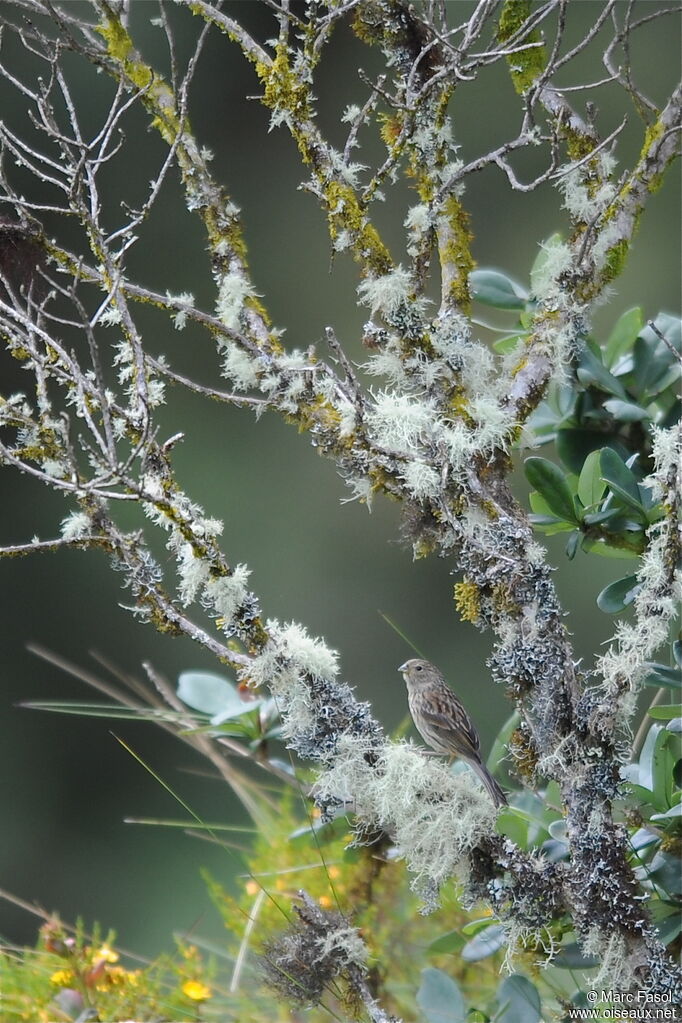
x: 464, y: 740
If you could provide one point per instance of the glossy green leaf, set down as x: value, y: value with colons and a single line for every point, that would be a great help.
x: 235, y: 708
x: 671, y: 814
x: 617, y: 595
x: 572, y: 544
x: 605, y: 550
x: 626, y: 411
x: 667, y: 920
x: 620, y: 479
x: 669, y: 326
x: 591, y: 371
x: 662, y: 675
x: 591, y: 486
x: 574, y: 444
x: 664, y: 871
x: 484, y: 944
x: 519, y: 1001
x: 550, y: 482
x: 496, y: 289
x: 655, y: 767
x: 508, y: 343
x: 543, y: 518
x: 439, y: 998
x: 652, y: 363
x: 570, y: 957
x: 643, y: 795
x: 446, y: 943
x: 476, y: 926
x: 206, y: 691
x: 623, y: 334
x: 499, y: 747
x: 515, y: 825
x: 602, y: 516
x: 667, y: 713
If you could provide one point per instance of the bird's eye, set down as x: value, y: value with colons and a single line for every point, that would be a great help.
x: 419, y: 667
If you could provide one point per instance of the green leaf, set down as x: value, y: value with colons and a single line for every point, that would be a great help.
x: 320, y: 832
x: 499, y: 747
x: 542, y: 516
x: 496, y: 289
x: 508, y: 343
x: 484, y: 944
x: 476, y: 926
x: 674, y: 811
x: 605, y: 550
x: 672, y: 710
x: 669, y: 326
x: 604, y: 515
x: 643, y: 795
x: 591, y: 371
x: 661, y: 675
x: 446, y: 943
x: 572, y: 544
x: 664, y: 871
x: 519, y: 1001
x: 205, y: 691
x: 623, y: 334
x: 569, y: 957
x: 620, y: 479
x: 626, y: 411
x: 439, y: 998
x: 648, y: 370
x: 591, y: 486
x: 667, y: 919
x: 574, y: 444
x: 235, y: 708
x: 550, y: 482
x: 617, y: 595
x: 655, y: 767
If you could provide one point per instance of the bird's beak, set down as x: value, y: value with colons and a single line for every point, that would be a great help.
x: 403, y: 668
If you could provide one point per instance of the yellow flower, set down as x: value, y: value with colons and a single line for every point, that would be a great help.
x: 107, y: 953
x: 195, y: 990
x: 62, y: 977
x: 252, y: 888
x: 334, y: 872
x: 116, y: 976
x: 325, y: 901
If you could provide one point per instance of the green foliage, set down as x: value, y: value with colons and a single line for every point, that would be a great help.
x: 439, y: 998
x: 600, y: 425
x: 73, y: 976
x: 655, y: 797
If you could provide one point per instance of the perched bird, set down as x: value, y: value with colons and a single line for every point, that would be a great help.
x: 442, y: 721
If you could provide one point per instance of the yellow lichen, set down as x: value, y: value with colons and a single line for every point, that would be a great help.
x: 454, y: 250
x: 468, y: 600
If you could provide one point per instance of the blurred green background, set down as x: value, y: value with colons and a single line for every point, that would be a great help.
x: 67, y: 783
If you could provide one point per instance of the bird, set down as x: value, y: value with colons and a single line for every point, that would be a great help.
x: 442, y: 721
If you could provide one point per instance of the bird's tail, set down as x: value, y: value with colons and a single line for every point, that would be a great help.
x: 494, y: 791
